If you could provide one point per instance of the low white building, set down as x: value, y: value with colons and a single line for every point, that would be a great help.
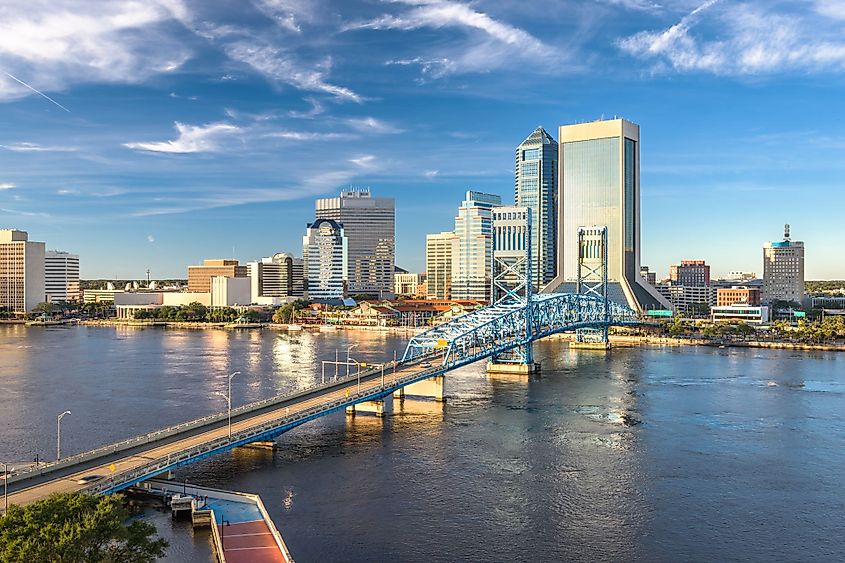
x: 230, y: 291
x: 740, y: 313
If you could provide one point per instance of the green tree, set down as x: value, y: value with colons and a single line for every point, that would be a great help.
x: 76, y: 527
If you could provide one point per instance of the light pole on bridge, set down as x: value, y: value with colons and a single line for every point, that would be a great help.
x: 59, y: 434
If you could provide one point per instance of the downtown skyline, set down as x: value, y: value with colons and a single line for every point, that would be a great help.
x: 189, y: 131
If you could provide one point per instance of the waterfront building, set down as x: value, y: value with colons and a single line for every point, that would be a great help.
x: 230, y: 291
x: 740, y: 313
x: 690, y: 273
x: 61, y: 276
x: 648, y: 275
x: 276, y: 279
x: 689, y: 300
x: 369, y: 225
x: 104, y: 295
x: 510, y: 229
x: 738, y: 294
x: 22, y: 284
x: 406, y: 284
x: 325, y: 251
x: 199, y: 277
x: 741, y: 276
x: 535, y: 187
x: 473, y: 278
x: 441, y: 256
x: 783, y: 270
x: 599, y: 185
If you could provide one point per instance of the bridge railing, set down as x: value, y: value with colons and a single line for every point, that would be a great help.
x: 157, y: 435
x: 254, y: 433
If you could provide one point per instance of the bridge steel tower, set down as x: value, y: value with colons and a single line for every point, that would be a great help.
x: 512, y: 287
x: 592, y: 280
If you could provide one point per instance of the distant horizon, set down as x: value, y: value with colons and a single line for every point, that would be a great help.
x: 156, y: 135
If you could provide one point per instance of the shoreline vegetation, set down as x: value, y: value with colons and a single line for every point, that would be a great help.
x: 617, y: 340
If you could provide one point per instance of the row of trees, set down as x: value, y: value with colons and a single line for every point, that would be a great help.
x: 196, y: 312
x: 830, y: 329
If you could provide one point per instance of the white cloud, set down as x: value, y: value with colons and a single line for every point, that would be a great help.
x: 310, y: 136
x: 496, y: 44
x: 7, y: 186
x: 35, y: 147
x: 51, y: 44
x: 372, y: 125
x: 279, y: 65
x: 743, y: 39
x: 191, y: 139
x: 151, y: 238
x: 431, y: 174
x: 364, y: 161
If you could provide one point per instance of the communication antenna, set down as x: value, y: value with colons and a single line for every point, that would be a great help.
x: 786, y: 232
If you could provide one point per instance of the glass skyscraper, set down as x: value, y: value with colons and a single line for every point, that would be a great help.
x: 536, y: 188
x: 600, y: 186
x: 369, y: 224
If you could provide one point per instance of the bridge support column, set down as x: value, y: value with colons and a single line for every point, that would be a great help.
x: 512, y: 368
x: 431, y: 387
x: 374, y: 407
x: 399, y: 393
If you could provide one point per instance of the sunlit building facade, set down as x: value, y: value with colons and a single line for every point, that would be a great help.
x: 472, y: 281
x: 21, y: 272
x: 599, y: 185
x: 61, y: 276
x: 325, y: 250
x: 441, y: 255
x: 783, y: 270
x: 369, y: 225
x: 536, y: 171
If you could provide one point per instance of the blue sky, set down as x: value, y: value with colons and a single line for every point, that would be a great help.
x: 163, y: 132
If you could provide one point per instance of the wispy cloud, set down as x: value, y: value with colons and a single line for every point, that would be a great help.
x: 364, y: 161
x: 497, y: 43
x: 7, y: 186
x: 23, y: 213
x: 35, y: 147
x: 191, y: 139
x: 431, y: 174
x: 372, y: 125
x: 744, y: 38
x: 310, y: 136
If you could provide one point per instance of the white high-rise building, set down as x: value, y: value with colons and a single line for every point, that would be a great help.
x: 325, y: 250
x: 369, y: 224
x: 441, y: 256
x: 276, y: 279
x: 783, y: 270
x: 472, y: 281
x: 61, y: 276
x: 21, y: 272
x: 599, y: 185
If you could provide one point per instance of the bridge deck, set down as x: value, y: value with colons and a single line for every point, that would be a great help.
x: 30, y: 491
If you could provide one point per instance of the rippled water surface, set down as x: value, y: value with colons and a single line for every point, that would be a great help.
x: 643, y: 454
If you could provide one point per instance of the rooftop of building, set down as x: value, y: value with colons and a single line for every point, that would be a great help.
x: 538, y: 137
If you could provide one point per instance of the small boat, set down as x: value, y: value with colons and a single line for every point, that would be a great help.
x: 294, y: 328
x: 327, y: 328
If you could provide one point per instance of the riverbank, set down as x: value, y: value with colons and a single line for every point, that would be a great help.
x: 630, y: 340
x: 258, y: 326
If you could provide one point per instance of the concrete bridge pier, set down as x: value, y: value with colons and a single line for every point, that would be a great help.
x: 432, y: 387
x: 507, y: 368
x: 374, y: 407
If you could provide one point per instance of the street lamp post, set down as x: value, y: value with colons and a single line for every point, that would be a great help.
x: 229, y: 401
x: 59, y: 434
x: 348, y: 349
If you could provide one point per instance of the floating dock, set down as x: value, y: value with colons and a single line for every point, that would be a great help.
x: 240, y: 526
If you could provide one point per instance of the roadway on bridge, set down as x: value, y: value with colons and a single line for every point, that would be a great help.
x: 42, y: 486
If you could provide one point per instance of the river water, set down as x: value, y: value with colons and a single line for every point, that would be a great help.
x: 642, y: 454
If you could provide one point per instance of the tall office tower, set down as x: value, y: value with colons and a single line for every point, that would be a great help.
x: 536, y: 189
x: 783, y: 270
x: 325, y: 251
x: 693, y: 273
x: 369, y: 224
x: 276, y: 278
x: 21, y: 272
x: 472, y: 281
x: 199, y: 277
x: 599, y: 185
x: 441, y: 256
x: 61, y: 276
